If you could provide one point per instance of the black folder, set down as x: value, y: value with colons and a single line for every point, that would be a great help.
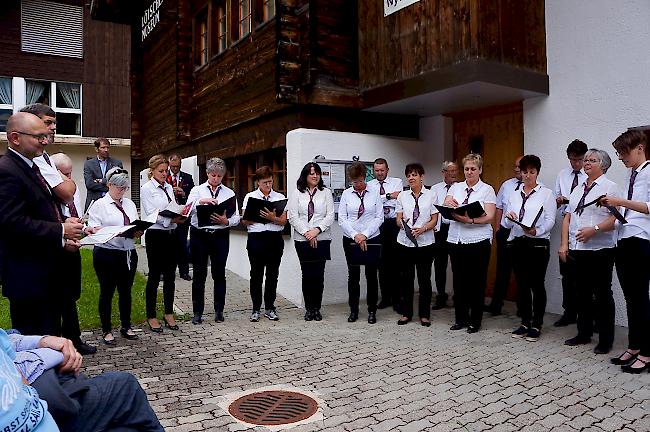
x: 140, y: 225
x: 204, y: 212
x: 255, y: 205
x: 306, y: 253
x: 409, y: 233
x: 613, y: 210
x: 521, y: 224
x: 355, y: 256
x: 473, y: 210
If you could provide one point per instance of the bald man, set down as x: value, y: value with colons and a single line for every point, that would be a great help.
x: 33, y: 232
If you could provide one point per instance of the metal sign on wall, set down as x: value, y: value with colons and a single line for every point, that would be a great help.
x: 150, y: 18
x: 392, y: 6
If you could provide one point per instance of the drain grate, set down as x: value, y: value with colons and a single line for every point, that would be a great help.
x: 273, y: 407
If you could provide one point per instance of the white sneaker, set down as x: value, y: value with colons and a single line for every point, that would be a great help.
x: 255, y: 316
x: 271, y: 314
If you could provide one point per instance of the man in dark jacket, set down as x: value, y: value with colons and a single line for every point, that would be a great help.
x: 95, y: 170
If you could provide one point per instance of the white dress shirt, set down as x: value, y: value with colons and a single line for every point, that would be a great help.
x: 638, y: 224
x: 153, y: 198
x: 592, y: 215
x: 441, y: 189
x: 77, y: 203
x: 48, y: 170
x: 503, y: 195
x: 471, y: 233
x: 204, y: 190
x: 105, y: 213
x: 261, y: 227
x: 391, y: 184
x: 539, y: 197
x: 371, y: 219
x: 322, y: 218
x: 563, y: 184
x: 406, y: 206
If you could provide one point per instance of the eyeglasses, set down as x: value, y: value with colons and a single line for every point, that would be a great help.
x: 591, y: 161
x: 116, y: 172
x: 38, y: 137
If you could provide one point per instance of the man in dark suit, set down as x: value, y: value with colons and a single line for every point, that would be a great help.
x: 96, y: 168
x: 182, y: 183
x: 31, y: 228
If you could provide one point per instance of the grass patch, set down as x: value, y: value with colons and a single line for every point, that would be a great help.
x: 87, y: 305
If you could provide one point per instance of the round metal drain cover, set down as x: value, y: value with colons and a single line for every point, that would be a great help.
x: 272, y: 408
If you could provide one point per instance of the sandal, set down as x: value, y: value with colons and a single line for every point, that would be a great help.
x: 128, y: 333
x: 158, y: 329
x: 629, y: 369
x: 108, y: 341
x: 619, y: 360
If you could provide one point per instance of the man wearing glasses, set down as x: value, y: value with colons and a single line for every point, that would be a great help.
x: 32, y: 228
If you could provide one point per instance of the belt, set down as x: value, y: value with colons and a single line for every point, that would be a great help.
x: 210, y: 230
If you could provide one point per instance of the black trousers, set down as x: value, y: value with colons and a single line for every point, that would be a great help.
x: 36, y: 316
x: 354, y: 276
x: 389, y: 276
x: 264, y: 252
x: 595, y: 299
x: 313, y: 280
x: 569, y: 288
x: 215, y: 245
x: 441, y: 255
x: 632, y: 267
x: 504, y: 267
x: 469, y: 262
x: 113, y: 272
x: 416, y: 259
x: 530, y: 258
x: 71, y: 289
x: 161, y: 256
x: 183, y: 255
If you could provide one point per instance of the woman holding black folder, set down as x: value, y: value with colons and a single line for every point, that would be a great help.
x: 530, y: 216
x: 361, y: 213
x: 211, y: 238
x: 417, y: 218
x: 469, y: 241
x: 311, y: 213
x: 588, y: 238
x: 116, y: 260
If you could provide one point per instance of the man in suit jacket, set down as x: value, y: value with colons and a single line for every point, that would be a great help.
x: 96, y: 168
x: 182, y: 183
x: 31, y: 227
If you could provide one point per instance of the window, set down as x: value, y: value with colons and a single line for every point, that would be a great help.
x: 201, y: 38
x: 245, y: 15
x: 269, y: 9
x: 241, y: 171
x: 65, y: 100
x: 6, y: 102
x: 222, y: 27
x: 51, y: 28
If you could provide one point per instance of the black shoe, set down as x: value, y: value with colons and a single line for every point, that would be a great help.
x: 84, y: 348
x: 126, y: 335
x: 472, y: 329
x: 578, y: 340
x: 353, y: 316
x: 403, y: 321
x: 317, y: 316
x: 108, y: 341
x: 309, y: 315
x: 602, y: 349
x: 218, y: 316
x: 457, y: 326
x: 186, y: 277
x: 170, y: 327
x: 564, y: 321
x: 629, y: 369
x: 619, y: 362
x: 384, y: 304
x: 154, y: 329
x: 372, y: 317
x: 197, y: 320
x: 425, y: 323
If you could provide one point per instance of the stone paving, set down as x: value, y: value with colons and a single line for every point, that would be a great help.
x: 379, y: 377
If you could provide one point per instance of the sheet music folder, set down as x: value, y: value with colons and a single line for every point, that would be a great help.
x: 613, y: 210
x: 255, y: 205
x: 527, y: 223
x: 203, y: 212
x: 409, y: 233
x: 474, y: 210
x: 355, y: 256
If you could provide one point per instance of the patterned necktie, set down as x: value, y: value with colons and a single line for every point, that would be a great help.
x: 174, y: 180
x: 73, y: 209
x: 575, y: 180
x: 582, y: 199
x: 382, y: 191
x: 416, y: 209
x: 524, y: 198
x: 362, y: 208
x: 469, y: 192
x: 216, y: 193
x: 127, y: 221
x: 519, y: 183
x: 169, y: 199
x: 47, y: 158
x: 45, y: 186
x: 310, y: 206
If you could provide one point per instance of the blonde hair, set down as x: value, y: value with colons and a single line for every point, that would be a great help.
x: 474, y: 157
x: 154, y: 161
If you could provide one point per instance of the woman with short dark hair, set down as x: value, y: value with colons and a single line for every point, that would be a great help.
x: 311, y: 214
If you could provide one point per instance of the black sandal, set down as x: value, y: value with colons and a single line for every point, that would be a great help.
x: 126, y: 335
x: 618, y: 361
x: 629, y: 369
x: 170, y: 327
x: 108, y: 341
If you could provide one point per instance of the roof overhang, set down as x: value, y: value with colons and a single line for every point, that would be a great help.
x: 117, y: 11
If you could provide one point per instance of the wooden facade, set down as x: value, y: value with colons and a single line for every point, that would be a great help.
x: 103, y: 71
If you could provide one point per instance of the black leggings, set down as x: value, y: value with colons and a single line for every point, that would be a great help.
x: 161, y: 257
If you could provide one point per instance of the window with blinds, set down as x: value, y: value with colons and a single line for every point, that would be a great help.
x: 51, y: 28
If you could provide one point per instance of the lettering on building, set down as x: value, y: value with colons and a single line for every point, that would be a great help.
x: 392, y: 6
x: 150, y: 18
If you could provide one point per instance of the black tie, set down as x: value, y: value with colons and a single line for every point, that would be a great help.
x: 169, y: 199
x: 575, y: 180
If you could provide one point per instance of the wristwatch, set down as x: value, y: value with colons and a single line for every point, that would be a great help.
x: 388, y: 197
x: 597, y: 228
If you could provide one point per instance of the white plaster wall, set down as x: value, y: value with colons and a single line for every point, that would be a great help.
x: 302, y: 146
x: 598, y: 65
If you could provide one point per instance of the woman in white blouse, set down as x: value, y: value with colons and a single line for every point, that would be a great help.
x: 361, y: 213
x: 533, y: 206
x: 469, y: 243
x: 311, y: 214
x: 156, y: 195
x: 416, y: 211
x: 115, y: 261
x: 589, y: 239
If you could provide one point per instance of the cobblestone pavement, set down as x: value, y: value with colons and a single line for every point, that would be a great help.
x: 379, y: 377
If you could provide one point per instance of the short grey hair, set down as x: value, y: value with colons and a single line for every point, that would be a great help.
x: 216, y: 166
x: 447, y: 164
x: 61, y: 160
x: 603, y: 157
x: 117, y: 176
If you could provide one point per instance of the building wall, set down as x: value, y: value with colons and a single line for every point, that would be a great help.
x: 598, y: 66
